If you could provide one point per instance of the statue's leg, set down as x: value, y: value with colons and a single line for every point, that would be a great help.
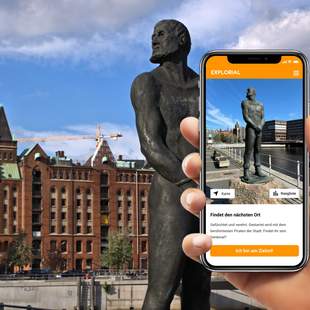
x: 169, y: 223
x: 257, y: 150
x: 195, y: 286
x: 249, y: 144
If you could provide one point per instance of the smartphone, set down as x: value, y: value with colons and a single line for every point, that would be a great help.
x: 253, y: 106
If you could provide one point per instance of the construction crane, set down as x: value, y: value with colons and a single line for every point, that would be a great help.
x: 98, y: 138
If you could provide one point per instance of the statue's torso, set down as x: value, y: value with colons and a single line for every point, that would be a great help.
x: 255, y: 111
x: 175, y: 103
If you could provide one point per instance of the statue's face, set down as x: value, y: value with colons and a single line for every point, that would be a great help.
x: 251, y: 96
x: 164, y: 42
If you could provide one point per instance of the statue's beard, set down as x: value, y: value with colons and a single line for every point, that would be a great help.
x: 160, y: 56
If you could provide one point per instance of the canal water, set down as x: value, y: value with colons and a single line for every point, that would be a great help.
x: 283, y: 160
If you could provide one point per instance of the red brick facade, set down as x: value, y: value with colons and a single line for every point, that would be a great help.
x: 72, y: 207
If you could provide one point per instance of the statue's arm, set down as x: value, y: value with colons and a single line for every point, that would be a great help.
x: 246, y: 117
x: 151, y: 129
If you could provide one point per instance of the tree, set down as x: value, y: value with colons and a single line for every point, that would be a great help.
x: 55, y: 260
x: 118, y: 253
x: 19, y: 253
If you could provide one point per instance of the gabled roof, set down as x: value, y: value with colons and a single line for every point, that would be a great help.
x: 36, y: 148
x: 5, y: 132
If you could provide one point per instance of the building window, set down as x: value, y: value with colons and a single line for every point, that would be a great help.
x: 53, y: 215
x: 88, y: 191
x: 78, y: 229
x: 142, y: 204
x: 53, y: 245
x: 14, y: 201
x: 78, y: 202
x: 78, y: 216
x: 63, y: 229
x: 89, y: 229
x: 63, y: 215
x: 79, y: 246
x: 119, y: 203
x: 78, y: 191
x: 63, y: 202
x: 104, y: 179
x: 88, y: 216
x: 88, y: 202
x: 5, y: 208
x: 143, y: 230
x: 53, y: 189
x: 89, y: 263
x: 143, y: 217
x: 53, y: 202
x: 119, y: 216
x: 142, y: 193
x: 143, y: 246
x: 128, y: 203
x: 63, y: 190
x: 53, y: 229
x: 14, y: 229
x: 129, y: 217
x: 89, y: 246
x: 63, y: 246
x: 14, y: 215
x: 5, y: 194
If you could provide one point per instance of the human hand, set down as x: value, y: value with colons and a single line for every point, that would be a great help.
x: 273, y: 290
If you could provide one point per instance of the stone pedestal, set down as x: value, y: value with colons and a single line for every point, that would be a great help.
x: 253, y: 193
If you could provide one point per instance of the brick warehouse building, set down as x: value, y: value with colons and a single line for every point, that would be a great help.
x: 71, y: 207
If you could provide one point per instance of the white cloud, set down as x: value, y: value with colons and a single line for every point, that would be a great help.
x: 102, y: 31
x: 33, y: 18
x: 81, y: 150
x: 217, y: 117
x: 290, y: 30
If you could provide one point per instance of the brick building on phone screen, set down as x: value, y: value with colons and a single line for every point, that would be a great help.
x: 71, y: 207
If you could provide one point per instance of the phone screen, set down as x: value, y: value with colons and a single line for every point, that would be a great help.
x: 254, y: 161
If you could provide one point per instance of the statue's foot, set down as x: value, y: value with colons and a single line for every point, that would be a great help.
x: 259, y: 172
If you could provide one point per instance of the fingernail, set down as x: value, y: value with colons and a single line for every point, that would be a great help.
x: 185, y: 162
x: 201, y: 241
x: 189, y: 198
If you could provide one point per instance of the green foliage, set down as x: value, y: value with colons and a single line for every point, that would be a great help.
x: 56, y: 261
x: 118, y: 253
x: 19, y: 253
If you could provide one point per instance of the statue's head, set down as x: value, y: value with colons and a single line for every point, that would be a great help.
x: 170, y: 37
x: 251, y: 93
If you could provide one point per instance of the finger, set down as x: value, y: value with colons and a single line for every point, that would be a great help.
x: 193, y: 200
x: 308, y: 132
x: 189, y: 128
x: 195, y: 245
x: 191, y: 166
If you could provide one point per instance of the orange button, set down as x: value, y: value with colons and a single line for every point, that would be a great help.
x: 254, y: 250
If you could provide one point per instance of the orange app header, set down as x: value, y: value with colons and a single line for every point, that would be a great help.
x: 289, y: 67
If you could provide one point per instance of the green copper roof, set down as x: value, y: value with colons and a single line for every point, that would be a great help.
x: 9, y: 171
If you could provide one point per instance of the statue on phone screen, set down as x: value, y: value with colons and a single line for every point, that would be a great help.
x: 161, y: 99
x: 253, y: 115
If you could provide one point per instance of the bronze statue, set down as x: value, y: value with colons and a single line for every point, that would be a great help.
x: 253, y: 115
x: 161, y: 99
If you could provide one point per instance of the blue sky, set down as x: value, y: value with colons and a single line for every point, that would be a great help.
x: 282, y: 100
x: 67, y: 68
